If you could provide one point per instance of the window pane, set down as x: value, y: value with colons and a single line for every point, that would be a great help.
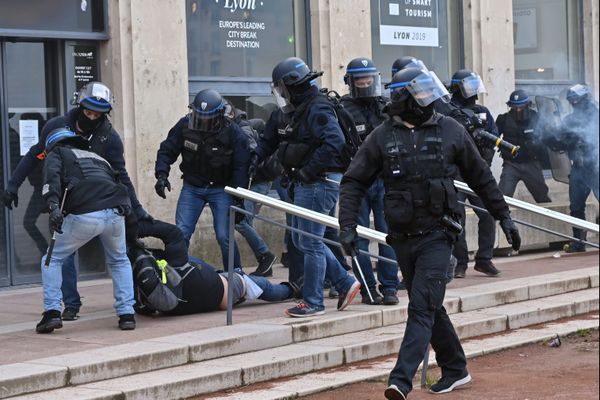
x: 242, y: 38
x: 429, y: 32
x: 546, y: 35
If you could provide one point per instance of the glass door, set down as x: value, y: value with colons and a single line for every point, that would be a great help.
x: 31, y: 93
x: 4, y: 277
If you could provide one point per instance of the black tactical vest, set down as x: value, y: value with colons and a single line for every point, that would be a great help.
x: 207, y: 158
x: 419, y: 188
x: 520, y: 134
x: 365, y: 119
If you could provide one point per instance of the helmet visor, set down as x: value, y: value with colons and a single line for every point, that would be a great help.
x: 367, y: 84
x: 95, y: 96
x: 425, y: 88
x: 206, y: 121
x: 471, y: 86
x: 282, y: 97
x: 576, y: 93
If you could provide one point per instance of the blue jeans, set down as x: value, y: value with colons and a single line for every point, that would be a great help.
x: 386, y: 271
x: 582, y: 181
x: 319, y: 261
x: 192, y: 200
x: 77, y: 231
x: 70, y: 295
x: 246, y: 229
x: 272, y: 292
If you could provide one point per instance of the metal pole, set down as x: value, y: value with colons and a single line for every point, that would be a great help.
x: 53, y: 240
x: 539, y: 228
x: 355, y: 259
x: 230, y: 261
x: 425, y: 367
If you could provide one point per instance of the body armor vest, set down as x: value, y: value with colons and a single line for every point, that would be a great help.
x: 365, y: 119
x: 92, y: 166
x: 520, y: 134
x: 419, y: 188
x: 207, y: 159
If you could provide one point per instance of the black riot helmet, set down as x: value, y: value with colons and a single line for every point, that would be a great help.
x: 94, y: 96
x: 422, y: 85
x: 64, y: 136
x: 291, y: 76
x: 363, y: 78
x: 407, y: 62
x: 467, y: 83
x: 519, y: 103
x: 207, y: 111
x: 578, y: 94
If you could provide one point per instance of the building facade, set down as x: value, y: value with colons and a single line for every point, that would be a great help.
x: 157, y: 54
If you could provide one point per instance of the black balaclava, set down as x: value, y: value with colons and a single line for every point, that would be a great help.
x: 410, y: 111
x: 87, y: 125
x: 461, y: 100
x: 301, y: 92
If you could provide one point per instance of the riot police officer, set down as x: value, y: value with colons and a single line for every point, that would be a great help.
x: 215, y: 153
x: 465, y: 88
x: 365, y: 103
x: 407, y: 62
x: 519, y: 127
x: 578, y: 135
x: 418, y: 153
x: 90, y: 120
x: 309, y: 142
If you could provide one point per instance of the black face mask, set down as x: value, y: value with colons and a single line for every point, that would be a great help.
x: 410, y: 111
x: 86, y: 125
x: 465, y: 102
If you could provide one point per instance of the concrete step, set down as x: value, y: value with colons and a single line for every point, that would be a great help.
x: 278, y: 358
x: 321, y: 381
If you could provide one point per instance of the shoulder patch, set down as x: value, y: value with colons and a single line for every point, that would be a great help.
x: 322, y: 119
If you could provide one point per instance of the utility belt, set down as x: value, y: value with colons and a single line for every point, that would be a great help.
x: 201, y: 183
x: 445, y: 224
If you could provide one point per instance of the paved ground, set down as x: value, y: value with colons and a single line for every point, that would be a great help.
x: 21, y: 310
x: 532, y: 372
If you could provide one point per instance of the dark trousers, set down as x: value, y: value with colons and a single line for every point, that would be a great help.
x: 582, y: 181
x: 532, y: 176
x: 424, y: 262
x: 486, y: 233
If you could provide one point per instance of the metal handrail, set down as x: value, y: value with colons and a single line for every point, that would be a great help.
x: 313, y: 216
x: 575, y: 222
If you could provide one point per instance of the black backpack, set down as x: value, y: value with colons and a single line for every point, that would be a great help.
x: 345, y: 120
x: 351, y: 136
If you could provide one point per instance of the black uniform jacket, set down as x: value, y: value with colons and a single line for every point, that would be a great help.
x: 104, y: 141
x: 460, y: 153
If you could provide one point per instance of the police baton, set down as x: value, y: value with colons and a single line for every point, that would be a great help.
x: 53, y: 240
x: 355, y: 258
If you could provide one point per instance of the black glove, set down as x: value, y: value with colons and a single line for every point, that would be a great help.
x: 253, y: 166
x: 349, y: 241
x: 239, y: 217
x: 161, y: 183
x: 56, y: 218
x: 511, y: 232
x: 8, y: 198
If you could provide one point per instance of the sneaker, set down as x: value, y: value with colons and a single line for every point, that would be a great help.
x: 333, y: 293
x: 486, y: 267
x: 346, y: 298
x: 377, y: 300
x: 50, y: 321
x: 390, y: 298
x: 303, y: 310
x: 70, y: 314
x: 460, y: 271
x: 445, y: 385
x: 265, y: 265
x: 573, y: 248
x: 394, y: 393
x: 126, y: 322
